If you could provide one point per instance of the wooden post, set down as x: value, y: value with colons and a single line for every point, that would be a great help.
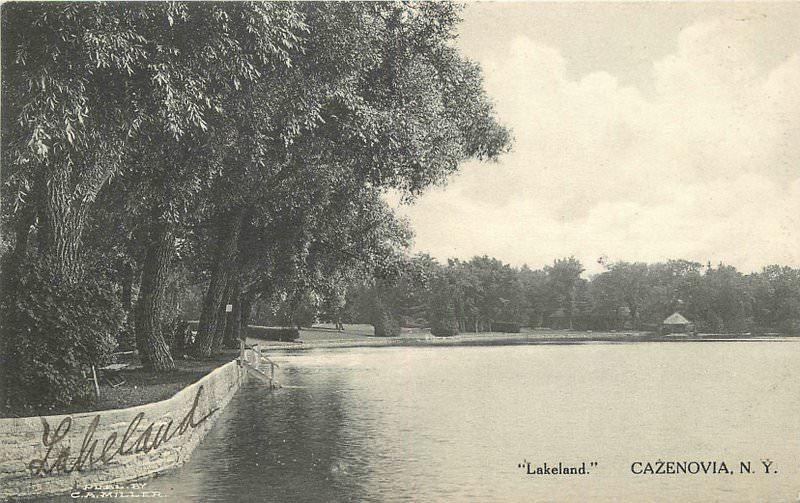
x: 271, y: 375
x: 96, y: 385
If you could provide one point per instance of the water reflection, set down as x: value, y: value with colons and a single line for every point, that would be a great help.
x: 289, y: 435
x: 451, y: 424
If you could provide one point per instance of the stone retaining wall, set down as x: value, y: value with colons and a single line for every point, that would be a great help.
x: 57, y: 454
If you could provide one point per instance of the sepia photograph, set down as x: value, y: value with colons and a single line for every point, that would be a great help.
x: 396, y: 251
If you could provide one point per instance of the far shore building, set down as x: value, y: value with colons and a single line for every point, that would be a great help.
x: 677, y: 324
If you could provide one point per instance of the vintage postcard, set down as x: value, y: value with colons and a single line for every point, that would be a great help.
x: 400, y: 251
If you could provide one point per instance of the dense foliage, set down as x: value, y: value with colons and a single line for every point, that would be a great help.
x: 222, y: 153
x: 51, y: 335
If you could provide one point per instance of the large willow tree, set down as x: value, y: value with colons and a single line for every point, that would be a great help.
x: 92, y: 91
x: 375, y: 95
x: 260, y: 121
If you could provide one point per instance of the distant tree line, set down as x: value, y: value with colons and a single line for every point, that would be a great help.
x: 484, y: 294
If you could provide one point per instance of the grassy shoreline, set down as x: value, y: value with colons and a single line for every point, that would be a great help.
x: 320, y: 337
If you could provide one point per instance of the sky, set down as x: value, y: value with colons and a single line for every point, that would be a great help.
x: 643, y: 132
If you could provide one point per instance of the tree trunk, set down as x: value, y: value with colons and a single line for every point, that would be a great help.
x: 223, y: 320
x: 224, y: 263
x: 63, y: 220
x: 226, y: 319
x: 248, y: 299
x: 153, y: 349
x: 233, y: 325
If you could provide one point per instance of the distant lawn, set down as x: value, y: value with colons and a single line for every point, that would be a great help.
x: 352, y: 331
x: 349, y: 328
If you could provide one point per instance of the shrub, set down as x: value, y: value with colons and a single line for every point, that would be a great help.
x: 381, y: 318
x: 51, y: 334
x: 445, y: 327
x: 286, y: 334
x: 385, y: 325
x: 441, y: 308
x: 305, y: 315
x: 443, y: 319
x: 505, y: 326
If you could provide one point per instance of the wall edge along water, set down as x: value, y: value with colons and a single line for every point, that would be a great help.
x: 47, y: 455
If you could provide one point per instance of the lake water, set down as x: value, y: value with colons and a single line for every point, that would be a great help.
x: 454, y: 423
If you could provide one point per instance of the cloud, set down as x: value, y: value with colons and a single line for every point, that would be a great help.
x: 704, y: 167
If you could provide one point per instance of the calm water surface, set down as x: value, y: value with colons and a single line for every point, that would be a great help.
x: 452, y: 424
